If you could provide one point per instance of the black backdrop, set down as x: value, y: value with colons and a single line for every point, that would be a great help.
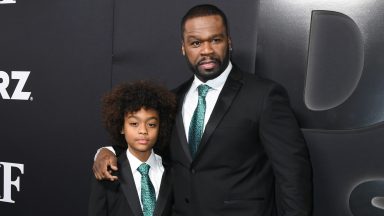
x: 328, y: 54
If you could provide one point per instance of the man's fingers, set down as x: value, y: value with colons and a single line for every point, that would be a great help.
x: 95, y: 173
x: 104, y: 164
x: 97, y: 177
x: 113, y: 167
x: 107, y: 175
x: 112, y: 163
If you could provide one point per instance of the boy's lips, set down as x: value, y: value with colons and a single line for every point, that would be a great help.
x: 142, y: 141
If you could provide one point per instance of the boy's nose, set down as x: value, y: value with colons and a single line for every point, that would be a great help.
x: 143, y: 130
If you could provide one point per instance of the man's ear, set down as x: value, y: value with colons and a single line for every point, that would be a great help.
x: 182, y: 48
x: 229, y: 44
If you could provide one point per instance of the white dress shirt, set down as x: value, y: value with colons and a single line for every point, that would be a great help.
x: 155, y: 172
x: 191, y: 98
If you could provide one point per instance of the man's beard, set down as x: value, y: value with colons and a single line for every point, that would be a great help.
x: 205, y: 75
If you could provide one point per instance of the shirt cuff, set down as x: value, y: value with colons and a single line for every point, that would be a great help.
x: 110, y: 148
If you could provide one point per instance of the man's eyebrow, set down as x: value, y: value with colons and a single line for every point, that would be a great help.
x: 218, y: 35
x: 191, y: 37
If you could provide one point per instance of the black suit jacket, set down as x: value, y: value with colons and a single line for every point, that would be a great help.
x: 252, y: 159
x: 120, y: 197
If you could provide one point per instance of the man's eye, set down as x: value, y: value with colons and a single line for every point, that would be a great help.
x: 133, y: 124
x: 195, y: 43
x: 216, y: 40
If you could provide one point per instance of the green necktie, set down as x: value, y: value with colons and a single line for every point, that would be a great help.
x: 148, y: 196
x: 197, y: 121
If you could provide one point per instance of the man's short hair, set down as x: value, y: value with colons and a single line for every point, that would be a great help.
x: 201, y: 11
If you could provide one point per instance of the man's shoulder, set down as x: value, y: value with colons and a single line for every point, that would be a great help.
x: 182, y: 87
x: 252, y: 79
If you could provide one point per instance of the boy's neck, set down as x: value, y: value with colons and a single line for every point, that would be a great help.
x: 142, y: 156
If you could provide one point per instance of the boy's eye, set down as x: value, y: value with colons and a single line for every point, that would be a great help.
x: 134, y: 124
x: 152, y: 125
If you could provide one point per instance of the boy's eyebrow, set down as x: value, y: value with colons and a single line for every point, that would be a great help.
x: 153, y: 117
x: 136, y: 117
x: 130, y: 115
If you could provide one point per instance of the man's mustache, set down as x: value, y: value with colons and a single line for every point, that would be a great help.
x: 205, y: 60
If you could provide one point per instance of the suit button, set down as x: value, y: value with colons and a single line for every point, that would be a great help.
x: 186, y: 200
x: 193, y: 171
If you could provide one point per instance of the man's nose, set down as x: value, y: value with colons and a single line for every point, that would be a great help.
x: 206, y: 48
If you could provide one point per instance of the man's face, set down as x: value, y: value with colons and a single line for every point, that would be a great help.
x: 206, y: 46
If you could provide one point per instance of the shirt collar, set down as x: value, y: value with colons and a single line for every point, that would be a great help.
x: 216, y: 83
x: 135, y: 163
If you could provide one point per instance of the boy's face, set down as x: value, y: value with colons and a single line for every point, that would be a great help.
x: 141, y: 129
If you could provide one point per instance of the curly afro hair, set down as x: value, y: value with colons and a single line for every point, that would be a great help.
x: 131, y: 97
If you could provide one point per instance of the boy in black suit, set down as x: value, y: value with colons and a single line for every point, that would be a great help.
x: 138, y: 116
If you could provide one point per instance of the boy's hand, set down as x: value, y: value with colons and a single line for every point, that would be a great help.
x: 104, y: 164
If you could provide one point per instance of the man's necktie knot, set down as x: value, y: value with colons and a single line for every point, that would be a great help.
x: 203, y: 90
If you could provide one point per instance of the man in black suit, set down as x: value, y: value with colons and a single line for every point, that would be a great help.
x: 252, y: 158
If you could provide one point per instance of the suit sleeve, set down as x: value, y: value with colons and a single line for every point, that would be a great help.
x: 118, y: 150
x: 97, y: 199
x: 288, y: 154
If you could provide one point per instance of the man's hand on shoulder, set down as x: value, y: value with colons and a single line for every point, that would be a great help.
x: 104, y: 164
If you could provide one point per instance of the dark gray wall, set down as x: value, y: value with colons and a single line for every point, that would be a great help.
x: 147, y: 39
x: 328, y: 54
x: 66, y: 46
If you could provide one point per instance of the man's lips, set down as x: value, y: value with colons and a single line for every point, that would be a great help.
x: 208, y: 64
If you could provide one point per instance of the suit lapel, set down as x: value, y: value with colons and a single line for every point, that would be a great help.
x: 128, y: 185
x: 162, y: 198
x: 226, y: 97
x: 179, y: 125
